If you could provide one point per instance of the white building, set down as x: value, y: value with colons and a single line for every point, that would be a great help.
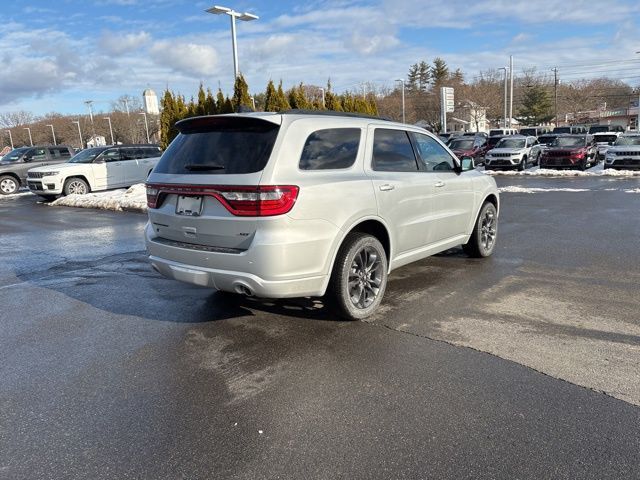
x: 96, y: 141
x: 150, y: 102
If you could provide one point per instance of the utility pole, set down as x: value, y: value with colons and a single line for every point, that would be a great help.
x: 511, y: 94
x: 555, y: 93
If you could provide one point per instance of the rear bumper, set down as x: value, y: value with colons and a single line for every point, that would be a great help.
x: 267, y: 269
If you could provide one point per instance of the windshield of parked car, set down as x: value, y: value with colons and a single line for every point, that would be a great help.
x: 635, y: 140
x: 511, y: 143
x: 86, y: 156
x: 461, y: 144
x: 569, y: 142
x: 493, y: 141
x: 605, y: 138
x: 14, y: 155
x: 546, y: 139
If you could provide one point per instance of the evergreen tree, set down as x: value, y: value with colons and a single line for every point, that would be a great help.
x: 331, y: 101
x: 423, y: 76
x: 192, y: 108
x: 412, y: 84
x: 298, y: 98
x: 271, y: 100
x: 282, y: 103
x: 536, y: 106
x: 228, y: 106
x: 201, y: 107
x: 167, y: 119
x: 439, y: 72
x: 210, y: 103
x: 241, y: 97
x: 220, y: 101
x: 457, y: 78
x: 348, y: 102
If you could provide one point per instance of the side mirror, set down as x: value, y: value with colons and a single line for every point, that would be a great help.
x: 467, y: 164
x: 27, y: 158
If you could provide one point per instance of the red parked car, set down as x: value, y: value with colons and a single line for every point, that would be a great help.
x: 570, y: 151
x: 466, y: 146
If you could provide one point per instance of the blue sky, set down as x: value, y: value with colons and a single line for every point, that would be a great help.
x: 56, y: 54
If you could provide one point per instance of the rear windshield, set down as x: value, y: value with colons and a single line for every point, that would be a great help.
x: 605, y: 138
x: 462, y: 144
x: 219, y: 145
x: 562, y: 130
x: 529, y: 131
x: 599, y: 128
x: 546, y: 139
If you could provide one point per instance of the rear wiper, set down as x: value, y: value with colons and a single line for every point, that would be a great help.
x: 203, y: 167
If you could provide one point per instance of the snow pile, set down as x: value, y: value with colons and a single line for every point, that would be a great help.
x: 517, y: 189
x: 20, y: 193
x: 597, y: 171
x: 132, y: 199
x: 633, y: 190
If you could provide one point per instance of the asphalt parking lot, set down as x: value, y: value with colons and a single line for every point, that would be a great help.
x: 521, y: 366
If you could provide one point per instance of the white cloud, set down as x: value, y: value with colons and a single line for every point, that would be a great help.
x: 115, y: 43
x: 185, y: 57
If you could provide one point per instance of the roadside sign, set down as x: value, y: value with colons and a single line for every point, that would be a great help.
x: 448, y: 99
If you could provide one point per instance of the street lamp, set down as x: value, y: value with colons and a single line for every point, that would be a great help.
x: 253, y: 102
x: 504, y: 125
x: 146, y: 125
x: 54, y: 134
x: 10, y: 139
x: 108, y: 119
x: 79, y: 132
x: 246, y: 17
x: 322, y: 91
x: 30, y: 139
x: 402, y: 81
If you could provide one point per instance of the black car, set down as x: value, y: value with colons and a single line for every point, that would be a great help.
x: 14, y: 165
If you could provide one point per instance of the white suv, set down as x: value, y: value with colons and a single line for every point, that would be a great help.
x: 94, y: 169
x: 298, y: 204
x: 517, y: 151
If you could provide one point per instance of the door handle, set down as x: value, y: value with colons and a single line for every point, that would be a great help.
x: 439, y: 183
x: 386, y: 187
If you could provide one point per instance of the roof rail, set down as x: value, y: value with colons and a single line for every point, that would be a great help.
x: 331, y: 113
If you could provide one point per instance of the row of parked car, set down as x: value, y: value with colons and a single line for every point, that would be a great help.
x: 567, y: 149
x: 51, y: 170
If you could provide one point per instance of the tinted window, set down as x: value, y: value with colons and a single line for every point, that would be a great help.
x: 219, y: 145
x: 392, y: 151
x: 330, y: 149
x: 433, y: 155
x: 86, y: 156
x: 38, y: 154
x: 111, y: 155
x: 129, y: 153
x: 151, y: 152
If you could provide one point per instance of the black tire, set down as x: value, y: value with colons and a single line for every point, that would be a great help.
x: 485, y: 233
x: 523, y: 164
x: 583, y: 165
x: 357, y: 250
x: 76, y: 185
x: 9, y: 185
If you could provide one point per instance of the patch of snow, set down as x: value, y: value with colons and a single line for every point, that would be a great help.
x: 633, y: 190
x: 517, y: 189
x: 20, y: 193
x: 132, y: 199
x: 597, y: 171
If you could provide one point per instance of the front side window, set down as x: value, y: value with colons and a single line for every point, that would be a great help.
x: 392, y: 151
x: 86, y: 156
x: 433, y: 155
x: 332, y: 148
x: 111, y: 155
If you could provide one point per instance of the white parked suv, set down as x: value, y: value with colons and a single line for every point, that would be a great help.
x: 94, y: 169
x: 299, y: 204
x: 517, y: 151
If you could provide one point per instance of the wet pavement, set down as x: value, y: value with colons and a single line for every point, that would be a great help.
x: 110, y: 371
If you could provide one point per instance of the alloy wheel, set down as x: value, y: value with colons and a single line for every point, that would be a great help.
x: 77, y: 187
x: 488, y: 230
x: 365, y: 277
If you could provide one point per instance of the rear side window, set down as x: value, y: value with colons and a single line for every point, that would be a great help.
x: 219, y: 145
x: 392, y: 151
x: 329, y: 149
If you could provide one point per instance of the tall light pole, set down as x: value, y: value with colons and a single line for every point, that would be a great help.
x: 108, y: 119
x: 30, y: 139
x: 77, y: 122
x: 511, y: 93
x: 10, y: 139
x: 322, y: 91
x: 555, y: 94
x: 402, y: 82
x: 245, y: 17
x: 54, y: 134
x: 146, y: 125
x: 89, y: 104
x: 504, y: 119
x: 253, y: 102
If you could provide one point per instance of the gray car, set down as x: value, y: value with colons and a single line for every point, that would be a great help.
x: 15, y: 164
x: 297, y: 204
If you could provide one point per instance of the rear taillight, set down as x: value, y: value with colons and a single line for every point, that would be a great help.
x: 254, y: 201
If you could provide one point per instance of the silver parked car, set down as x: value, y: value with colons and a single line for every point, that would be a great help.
x: 298, y: 204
